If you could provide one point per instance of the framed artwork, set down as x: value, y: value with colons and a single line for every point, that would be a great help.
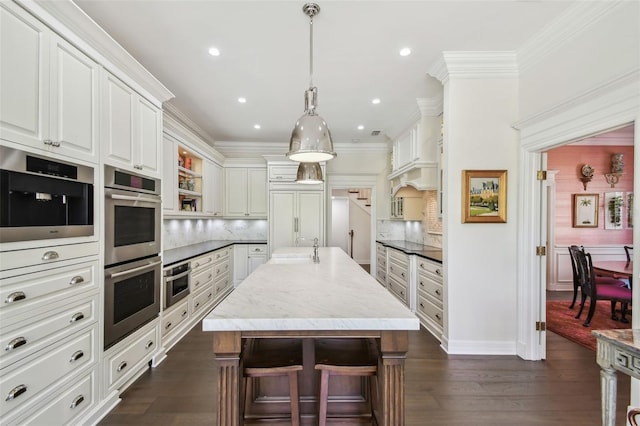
x: 585, y: 210
x: 614, y: 204
x: 484, y: 196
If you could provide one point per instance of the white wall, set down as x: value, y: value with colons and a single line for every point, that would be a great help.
x: 339, y: 223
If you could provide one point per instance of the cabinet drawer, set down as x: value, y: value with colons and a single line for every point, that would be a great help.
x: 222, y: 285
x: 199, y: 302
x: 221, y: 269
x: 429, y: 267
x: 16, y: 259
x: 38, y: 290
x: 398, y: 257
x: 382, y: 261
x: 381, y: 276
x: 257, y: 249
x: 175, y: 316
x: 23, y: 335
x: 67, y: 406
x: 221, y: 254
x: 23, y: 384
x: 429, y: 309
x: 201, y: 280
x: 381, y: 250
x: 201, y: 262
x: 399, y: 271
x: 427, y: 285
x: 399, y: 290
x: 136, y: 352
x: 286, y: 173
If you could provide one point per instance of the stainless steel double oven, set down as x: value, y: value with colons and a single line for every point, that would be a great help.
x: 133, y: 267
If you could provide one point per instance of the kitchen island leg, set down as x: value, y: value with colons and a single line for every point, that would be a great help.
x: 393, y: 347
x: 227, y: 346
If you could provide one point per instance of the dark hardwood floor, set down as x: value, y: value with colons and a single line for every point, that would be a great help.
x: 440, y: 389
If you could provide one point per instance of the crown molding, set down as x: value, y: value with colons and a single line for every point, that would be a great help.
x: 70, y: 22
x: 575, y: 20
x: 273, y: 150
x: 172, y: 111
x: 430, y: 107
x: 481, y: 64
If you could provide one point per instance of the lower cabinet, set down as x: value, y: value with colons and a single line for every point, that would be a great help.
x: 246, y: 258
x: 381, y: 264
x: 429, y: 305
x: 399, y: 275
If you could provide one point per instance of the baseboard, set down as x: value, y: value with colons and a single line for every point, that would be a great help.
x: 480, y: 347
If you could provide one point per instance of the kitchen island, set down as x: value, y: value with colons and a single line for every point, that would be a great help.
x: 293, y: 297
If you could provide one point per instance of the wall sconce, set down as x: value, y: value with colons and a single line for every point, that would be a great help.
x: 587, y: 175
x: 617, y: 169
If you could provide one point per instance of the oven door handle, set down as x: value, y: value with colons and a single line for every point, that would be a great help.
x: 175, y: 277
x: 132, y: 198
x: 134, y: 270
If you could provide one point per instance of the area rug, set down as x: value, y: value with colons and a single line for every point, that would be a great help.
x: 561, y: 320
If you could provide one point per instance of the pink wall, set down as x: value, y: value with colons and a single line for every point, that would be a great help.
x: 568, y: 161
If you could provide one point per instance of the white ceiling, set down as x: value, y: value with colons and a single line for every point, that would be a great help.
x: 265, y: 56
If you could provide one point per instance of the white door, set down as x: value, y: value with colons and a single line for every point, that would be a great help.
x: 340, y: 223
x: 281, y: 220
x: 310, y: 217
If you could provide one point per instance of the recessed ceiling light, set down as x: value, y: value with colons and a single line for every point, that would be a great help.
x: 256, y: 126
x: 214, y: 51
x: 375, y: 101
x: 360, y: 127
x: 405, y: 51
x: 242, y: 100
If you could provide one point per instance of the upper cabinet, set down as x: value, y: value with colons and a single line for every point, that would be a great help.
x: 49, y: 96
x: 213, y: 188
x: 132, y: 128
x: 246, y: 192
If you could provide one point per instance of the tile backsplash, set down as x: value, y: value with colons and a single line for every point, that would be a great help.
x: 182, y: 232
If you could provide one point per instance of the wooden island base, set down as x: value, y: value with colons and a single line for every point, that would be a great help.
x: 348, y: 395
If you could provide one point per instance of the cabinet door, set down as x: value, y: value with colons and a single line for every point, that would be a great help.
x: 281, y: 219
x: 24, y: 85
x: 118, y: 122
x: 310, y: 217
x: 255, y: 261
x: 74, y: 82
x: 236, y: 192
x: 213, y: 178
x: 257, y: 192
x: 240, y: 254
x: 169, y: 175
x: 146, y: 139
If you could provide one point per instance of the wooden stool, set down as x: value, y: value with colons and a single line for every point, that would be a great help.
x: 346, y: 357
x: 273, y: 357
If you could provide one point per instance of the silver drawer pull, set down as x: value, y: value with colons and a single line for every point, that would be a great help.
x: 184, y: 314
x: 47, y: 142
x: 168, y: 326
x: 76, y: 356
x: 439, y: 317
x: 77, y: 401
x: 402, y: 292
x: 76, y: 280
x: 16, y: 392
x: 256, y: 249
x: 209, y: 277
x: 149, y: 344
x: 196, y: 284
x: 122, y: 366
x: 197, y: 304
x: 438, y: 292
x: 402, y: 273
x: 15, y: 296
x: 197, y: 264
x: 16, y: 343
x: 77, y: 317
x: 421, y: 284
x: 50, y: 255
x: 421, y: 305
x: 218, y: 256
x: 438, y: 271
x: 422, y: 265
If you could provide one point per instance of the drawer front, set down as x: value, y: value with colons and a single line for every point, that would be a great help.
x: 427, y: 285
x: 126, y: 360
x: 46, y: 255
x: 221, y: 269
x: 381, y: 250
x: 200, y: 263
x: 222, y: 285
x: 399, y: 290
x: 67, y: 406
x: 21, y: 338
x: 221, y: 254
x: 201, y: 280
x: 398, y: 257
x: 283, y: 173
x: 172, y: 319
x: 39, y: 289
x: 398, y: 271
x: 430, y: 267
x: 257, y: 249
x: 381, y: 276
x: 382, y: 261
x: 24, y: 383
x: 201, y: 301
x: 429, y: 309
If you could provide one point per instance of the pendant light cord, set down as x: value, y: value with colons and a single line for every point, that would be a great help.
x: 310, y: 51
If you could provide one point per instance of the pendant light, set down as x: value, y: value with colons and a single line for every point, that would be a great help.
x: 309, y: 173
x: 310, y: 139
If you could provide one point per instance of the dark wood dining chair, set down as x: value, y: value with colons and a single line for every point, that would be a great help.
x: 628, y: 250
x: 590, y: 288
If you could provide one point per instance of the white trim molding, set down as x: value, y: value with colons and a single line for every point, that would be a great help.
x: 481, y: 64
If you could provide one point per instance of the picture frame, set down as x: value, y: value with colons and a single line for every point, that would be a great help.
x: 484, y: 196
x: 614, y: 210
x: 585, y: 210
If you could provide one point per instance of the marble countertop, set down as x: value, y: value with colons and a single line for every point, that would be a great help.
x: 629, y: 338
x: 169, y: 257
x: 428, y: 252
x: 293, y: 293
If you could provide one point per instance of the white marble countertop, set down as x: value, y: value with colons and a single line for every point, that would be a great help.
x: 293, y: 293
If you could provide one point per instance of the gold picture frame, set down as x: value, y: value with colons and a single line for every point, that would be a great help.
x: 484, y: 196
x: 585, y: 210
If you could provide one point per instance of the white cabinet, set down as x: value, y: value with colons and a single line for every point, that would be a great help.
x: 429, y: 304
x: 399, y: 275
x: 246, y: 192
x: 49, y: 95
x: 246, y: 258
x: 296, y: 218
x: 381, y: 264
x: 169, y: 175
x: 213, y: 188
x: 132, y: 128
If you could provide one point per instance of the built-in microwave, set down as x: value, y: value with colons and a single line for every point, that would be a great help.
x: 132, y: 216
x: 42, y: 199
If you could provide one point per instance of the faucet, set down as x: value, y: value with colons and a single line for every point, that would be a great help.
x: 316, y: 259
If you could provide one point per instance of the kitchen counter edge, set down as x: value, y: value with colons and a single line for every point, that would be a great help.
x: 180, y: 254
x: 428, y: 252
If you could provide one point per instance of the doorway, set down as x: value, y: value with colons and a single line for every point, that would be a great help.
x: 351, y: 223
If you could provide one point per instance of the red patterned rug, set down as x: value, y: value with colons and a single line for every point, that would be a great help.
x: 560, y: 320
